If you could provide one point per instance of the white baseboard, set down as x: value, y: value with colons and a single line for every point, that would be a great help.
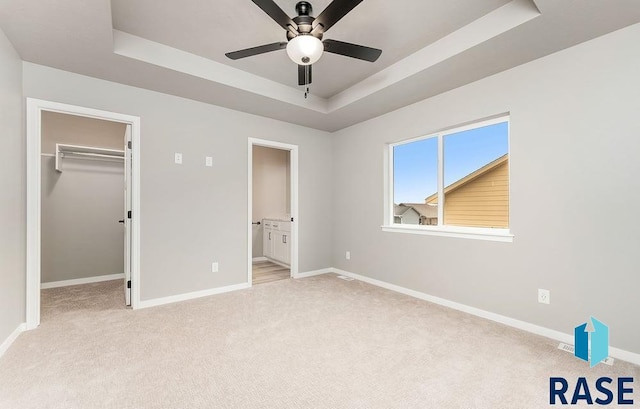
x: 512, y: 322
x: 77, y: 281
x: 280, y: 263
x: 314, y: 273
x: 11, y: 338
x: 623, y: 355
x: 257, y: 259
x: 190, y: 296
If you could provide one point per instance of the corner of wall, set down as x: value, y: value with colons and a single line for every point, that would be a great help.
x: 13, y: 199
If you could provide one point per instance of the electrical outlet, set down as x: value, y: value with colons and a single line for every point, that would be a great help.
x: 178, y: 158
x: 544, y: 296
x: 208, y: 161
x: 347, y: 255
x: 214, y: 267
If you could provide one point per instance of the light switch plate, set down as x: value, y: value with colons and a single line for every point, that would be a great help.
x: 208, y: 161
x: 544, y: 296
x: 178, y: 158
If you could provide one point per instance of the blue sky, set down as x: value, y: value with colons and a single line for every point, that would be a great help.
x: 415, y: 164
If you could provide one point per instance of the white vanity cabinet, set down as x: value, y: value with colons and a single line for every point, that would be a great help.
x: 276, y: 240
x: 267, y: 243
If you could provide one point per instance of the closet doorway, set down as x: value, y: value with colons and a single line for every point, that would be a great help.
x: 272, y: 216
x: 82, y: 203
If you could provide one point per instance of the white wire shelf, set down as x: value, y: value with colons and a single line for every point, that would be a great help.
x: 64, y: 151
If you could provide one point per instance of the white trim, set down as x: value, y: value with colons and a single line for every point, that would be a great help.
x: 11, y: 338
x: 34, y: 111
x: 502, y: 235
x: 250, y: 212
x: 314, y: 273
x: 494, y: 120
x: 387, y: 182
x: 190, y: 296
x: 440, y: 180
x: 293, y: 169
x: 280, y: 263
x: 510, y: 161
x: 512, y: 322
x: 623, y: 355
x: 78, y: 281
x: 481, y: 123
x: 257, y: 259
x: 33, y: 214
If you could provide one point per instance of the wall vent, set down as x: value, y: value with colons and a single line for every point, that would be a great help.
x: 571, y: 349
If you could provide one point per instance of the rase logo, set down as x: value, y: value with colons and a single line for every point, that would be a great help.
x: 599, y: 342
x: 599, y: 337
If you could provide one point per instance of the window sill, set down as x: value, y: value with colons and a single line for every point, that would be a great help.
x: 502, y: 235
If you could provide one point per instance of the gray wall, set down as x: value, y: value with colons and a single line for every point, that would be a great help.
x: 78, y: 130
x: 13, y: 192
x: 81, y: 206
x: 271, y: 189
x: 575, y: 192
x: 193, y: 215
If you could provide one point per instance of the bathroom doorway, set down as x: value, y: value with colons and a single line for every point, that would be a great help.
x: 272, y: 211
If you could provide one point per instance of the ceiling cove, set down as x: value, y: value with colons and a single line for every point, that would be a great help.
x: 487, y: 26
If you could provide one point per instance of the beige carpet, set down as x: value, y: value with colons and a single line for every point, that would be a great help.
x: 319, y: 342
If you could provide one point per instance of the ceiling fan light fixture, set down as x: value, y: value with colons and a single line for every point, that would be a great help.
x: 305, y: 49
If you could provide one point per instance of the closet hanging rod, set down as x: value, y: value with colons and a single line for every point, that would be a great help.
x: 91, y: 155
x: 85, y: 152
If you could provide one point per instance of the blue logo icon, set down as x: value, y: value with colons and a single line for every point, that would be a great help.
x: 599, y: 342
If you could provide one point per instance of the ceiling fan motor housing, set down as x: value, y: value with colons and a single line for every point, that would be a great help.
x: 303, y: 8
x: 304, y: 21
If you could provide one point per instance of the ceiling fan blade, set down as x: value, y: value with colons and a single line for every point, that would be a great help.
x: 352, y: 50
x: 276, y: 13
x: 334, y: 12
x: 304, y: 74
x: 261, y: 49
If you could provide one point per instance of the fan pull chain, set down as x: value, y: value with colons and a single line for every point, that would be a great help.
x: 307, y: 81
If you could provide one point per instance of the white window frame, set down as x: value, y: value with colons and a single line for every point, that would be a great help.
x: 491, y: 234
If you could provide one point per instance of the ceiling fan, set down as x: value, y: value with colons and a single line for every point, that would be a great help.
x: 304, y: 36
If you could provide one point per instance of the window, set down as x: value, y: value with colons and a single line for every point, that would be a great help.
x: 455, y: 182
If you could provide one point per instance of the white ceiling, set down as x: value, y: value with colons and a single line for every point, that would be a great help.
x: 210, y: 29
x: 177, y: 47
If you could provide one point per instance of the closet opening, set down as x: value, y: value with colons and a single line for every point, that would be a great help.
x: 272, y: 211
x: 82, y: 210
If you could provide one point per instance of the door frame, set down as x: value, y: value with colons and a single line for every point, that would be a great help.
x: 35, y: 107
x: 293, y: 180
x: 128, y: 199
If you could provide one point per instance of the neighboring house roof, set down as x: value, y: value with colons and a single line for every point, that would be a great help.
x: 399, y: 209
x: 471, y: 176
x: 424, y: 210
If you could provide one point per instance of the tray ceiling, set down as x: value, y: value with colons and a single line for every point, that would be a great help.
x: 177, y: 47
